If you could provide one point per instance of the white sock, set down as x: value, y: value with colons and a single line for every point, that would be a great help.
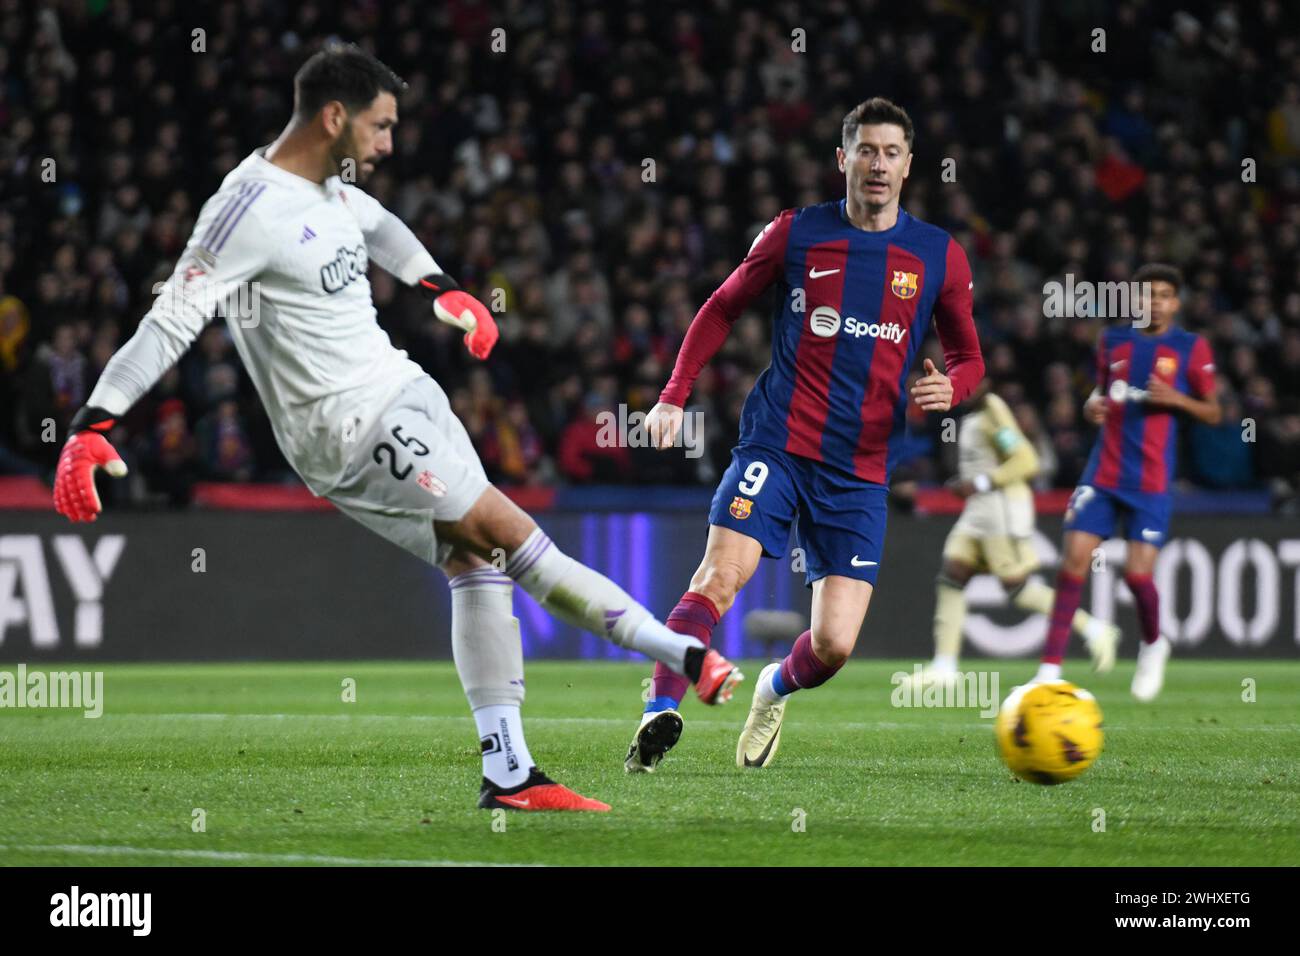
x: 506, y: 760
x: 944, y: 663
x: 490, y: 663
x: 1048, y: 672
x: 587, y: 599
x: 765, y: 692
x: 656, y: 640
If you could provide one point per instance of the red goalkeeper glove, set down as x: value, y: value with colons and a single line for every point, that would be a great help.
x: 86, y: 451
x: 456, y: 307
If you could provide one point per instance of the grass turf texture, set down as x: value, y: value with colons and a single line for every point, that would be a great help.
x: 288, y: 773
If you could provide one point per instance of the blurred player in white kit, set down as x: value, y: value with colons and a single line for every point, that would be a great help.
x: 994, y: 535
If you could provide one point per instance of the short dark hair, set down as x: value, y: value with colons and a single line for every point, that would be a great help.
x: 874, y: 111
x: 1160, y: 272
x: 345, y: 73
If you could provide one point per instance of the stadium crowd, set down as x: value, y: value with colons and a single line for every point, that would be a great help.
x: 605, y: 166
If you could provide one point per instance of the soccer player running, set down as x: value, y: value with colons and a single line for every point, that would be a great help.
x: 859, y: 282
x: 362, y: 424
x: 1146, y: 377
x: 994, y: 535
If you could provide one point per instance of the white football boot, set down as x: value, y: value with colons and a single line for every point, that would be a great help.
x: 1150, y: 674
x: 762, y: 734
x: 1102, y: 641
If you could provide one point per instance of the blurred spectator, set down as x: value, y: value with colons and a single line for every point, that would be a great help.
x: 223, y: 444
x: 172, y: 452
x: 14, y: 327
x: 1219, y: 456
x: 1279, y: 452
x: 510, y: 447
x: 55, y: 388
x: 585, y: 456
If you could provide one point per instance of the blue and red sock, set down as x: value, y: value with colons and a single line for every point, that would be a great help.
x: 1147, y: 600
x: 802, y: 668
x: 1069, y: 589
x: 696, y: 616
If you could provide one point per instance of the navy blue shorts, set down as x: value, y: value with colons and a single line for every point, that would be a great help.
x: 841, y: 518
x: 1099, y: 511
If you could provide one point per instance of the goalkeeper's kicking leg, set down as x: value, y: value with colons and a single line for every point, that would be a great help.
x: 495, y: 526
x: 490, y: 662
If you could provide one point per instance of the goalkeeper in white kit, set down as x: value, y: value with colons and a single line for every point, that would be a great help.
x: 362, y: 424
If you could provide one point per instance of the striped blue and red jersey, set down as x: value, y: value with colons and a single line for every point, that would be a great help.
x: 1136, y: 446
x: 852, y: 310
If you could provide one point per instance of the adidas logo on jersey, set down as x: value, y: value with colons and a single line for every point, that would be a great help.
x: 824, y: 322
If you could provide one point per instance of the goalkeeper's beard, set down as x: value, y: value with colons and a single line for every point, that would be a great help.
x: 345, y: 148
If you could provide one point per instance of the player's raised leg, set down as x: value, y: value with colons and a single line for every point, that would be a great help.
x: 1139, y: 566
x: 571, y: 591
x: 750, y: 516
x: 489, y: 659
x: 839, y: 606
x: 1101, y: 637
x: 697, y: 614
x: 730, y: 559
x: 1013, y: 560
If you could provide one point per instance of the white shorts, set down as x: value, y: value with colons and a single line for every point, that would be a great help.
x: 995, y: 514
x: 994, y: 534
x: 416, y: 465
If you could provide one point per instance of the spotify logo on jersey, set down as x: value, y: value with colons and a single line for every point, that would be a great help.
x: 824, y: 321
x: 1121, y: 392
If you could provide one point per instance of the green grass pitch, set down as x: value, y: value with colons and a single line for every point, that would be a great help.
x: 286, y: 772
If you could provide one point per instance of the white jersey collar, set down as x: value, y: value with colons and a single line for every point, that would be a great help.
x: 269, y: 170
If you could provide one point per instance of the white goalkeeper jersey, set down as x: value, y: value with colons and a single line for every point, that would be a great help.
x: 284, y: 260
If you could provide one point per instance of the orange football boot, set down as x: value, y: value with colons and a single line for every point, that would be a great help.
x: 718, y: 678
x: 538, y: 792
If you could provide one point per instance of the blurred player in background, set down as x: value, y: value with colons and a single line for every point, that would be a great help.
x: 1147, y: 375
x: 859, y: 283
x: 994, y: 534
x: 362, y: 424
